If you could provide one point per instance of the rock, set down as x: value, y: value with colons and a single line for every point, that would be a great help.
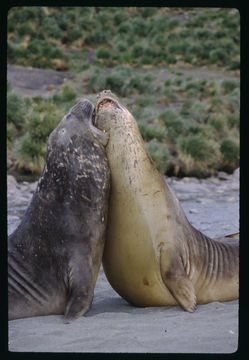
x: 231, y: 199
x: 11, y: 179
x: 188, y: 180
x: 32, y: 186
x: 193, y: 211
x: 214, y: 180
x: 236, y: 173
x: 220, y: 191
x: 204, y: 201
x: 223, y: 176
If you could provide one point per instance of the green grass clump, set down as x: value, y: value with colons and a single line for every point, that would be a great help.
x: 197, y: 147
x: 29, y: 155
x: 16, y: 113
x: 159, y: 154
x: 29, y: 123
x: 229, y: 85
x: 233, y: 120
x: 103, y: 53
x: 67, y: 94
x: 152, y: 131
x: 11, y: 134
x: 31, y: 149
x: 39, y: 127
x: 217, y: 122
x: 173, y: 123
x: 230, y: 151
x: 199, y: 155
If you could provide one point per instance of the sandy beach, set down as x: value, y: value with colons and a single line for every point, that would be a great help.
x: 114, y: 326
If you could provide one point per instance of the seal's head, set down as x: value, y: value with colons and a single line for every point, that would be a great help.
x: 74, y: 127
x: 106, y: 110
x: 73, y: 150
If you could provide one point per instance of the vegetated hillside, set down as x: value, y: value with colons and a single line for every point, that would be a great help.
x: 190, y: 123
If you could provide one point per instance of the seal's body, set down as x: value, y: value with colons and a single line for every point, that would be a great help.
x: 153, y: 256
x: 55, y: 253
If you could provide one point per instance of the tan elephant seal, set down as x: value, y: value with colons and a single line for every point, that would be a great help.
x: 153, y: 256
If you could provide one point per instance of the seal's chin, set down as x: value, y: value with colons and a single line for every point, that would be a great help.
x: 106, y: 102
x: 101, y: 135
x: 99, y: 106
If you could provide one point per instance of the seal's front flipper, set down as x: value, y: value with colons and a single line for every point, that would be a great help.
x: 80, y: 292
x: 78, y: 304
x: 178, y: 283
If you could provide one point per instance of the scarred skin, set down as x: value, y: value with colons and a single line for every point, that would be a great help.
x: 55, y: 253
x: 153, y: 256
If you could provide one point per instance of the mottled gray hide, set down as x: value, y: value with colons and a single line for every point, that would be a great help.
x: 55, y: 253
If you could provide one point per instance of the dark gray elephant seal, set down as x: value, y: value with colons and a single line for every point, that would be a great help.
x: 153, y: 256
x: 55, y: 253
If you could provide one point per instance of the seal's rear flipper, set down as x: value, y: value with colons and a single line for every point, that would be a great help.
x: 178, y: 283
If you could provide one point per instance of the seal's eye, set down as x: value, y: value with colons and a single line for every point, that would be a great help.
x: 62, y: 131
x: 68, y: 116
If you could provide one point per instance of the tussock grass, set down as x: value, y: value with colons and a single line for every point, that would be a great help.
x: 118, y: 35
x: 191, y: 122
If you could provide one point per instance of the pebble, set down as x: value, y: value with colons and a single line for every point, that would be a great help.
x: 214, y: 180
x: 231, y: 199
x: 11, y: 179
x: 33, y: 186
x: 193, y: 211
x: 187, y: 180
x: 223, y: 176
x: 220, y: 191
x: 236, y: 173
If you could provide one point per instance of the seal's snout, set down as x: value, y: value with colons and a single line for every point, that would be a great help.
x: 83, y: 109
x: 107, y: 98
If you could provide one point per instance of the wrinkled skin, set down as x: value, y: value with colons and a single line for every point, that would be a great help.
x: 153, y: 256
x: 55, y: 253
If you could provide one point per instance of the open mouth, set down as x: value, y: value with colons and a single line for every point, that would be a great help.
x: 103, y: 103
x: 106, y: 102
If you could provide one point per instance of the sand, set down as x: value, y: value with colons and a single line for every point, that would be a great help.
x: 112, y: 325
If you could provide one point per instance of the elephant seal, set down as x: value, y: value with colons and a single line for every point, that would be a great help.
x: 55, y: 253
x: 153, y: 256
